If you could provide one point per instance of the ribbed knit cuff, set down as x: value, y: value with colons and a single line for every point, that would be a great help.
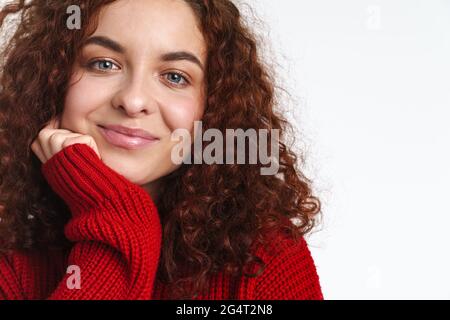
x: 82, y: 180
x: 115, y: 225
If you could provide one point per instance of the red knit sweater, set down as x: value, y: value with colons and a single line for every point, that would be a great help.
x: 116, y: 235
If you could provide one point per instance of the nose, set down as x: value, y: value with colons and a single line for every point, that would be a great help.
x: 134, y: 97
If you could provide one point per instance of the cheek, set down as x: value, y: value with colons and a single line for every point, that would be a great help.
x: 182, y: 112
x: 81, y: 98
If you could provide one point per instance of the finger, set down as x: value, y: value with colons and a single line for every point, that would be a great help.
x: 55, y: 142
x: 37, y: 149
x: 45, y: 134
x: 41, y: 145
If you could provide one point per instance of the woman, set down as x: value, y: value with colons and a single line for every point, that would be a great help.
x: 94, y: 205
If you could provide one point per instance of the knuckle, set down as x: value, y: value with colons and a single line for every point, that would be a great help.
x: 52, y: 137
x: 42, y: 133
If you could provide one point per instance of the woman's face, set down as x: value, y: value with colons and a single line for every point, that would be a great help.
x: 142, y: 68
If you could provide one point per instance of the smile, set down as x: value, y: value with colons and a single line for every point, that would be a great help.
x: 124, y: 141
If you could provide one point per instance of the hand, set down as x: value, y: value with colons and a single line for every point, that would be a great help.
x: 51, y: 140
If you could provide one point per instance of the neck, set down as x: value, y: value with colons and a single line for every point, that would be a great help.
x: 153, y: 189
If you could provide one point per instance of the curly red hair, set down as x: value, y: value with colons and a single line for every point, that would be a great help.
x: 211, y: 214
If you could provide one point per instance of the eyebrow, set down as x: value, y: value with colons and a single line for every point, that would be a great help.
x: 169, y: 56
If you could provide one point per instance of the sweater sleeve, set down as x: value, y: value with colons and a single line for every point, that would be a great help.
x: 290, y: 273
x: 9, y: 282
x: 115, y: 228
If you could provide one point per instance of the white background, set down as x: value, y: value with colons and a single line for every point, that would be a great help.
x: 371, y: 81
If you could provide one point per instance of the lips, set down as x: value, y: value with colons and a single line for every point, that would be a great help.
x: 133, y: 132
x: 127, y: 138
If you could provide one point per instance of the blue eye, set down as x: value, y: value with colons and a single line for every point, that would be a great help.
x: 177, y: 78
x: 102, y: 65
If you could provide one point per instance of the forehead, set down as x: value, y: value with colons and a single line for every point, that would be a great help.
x: 153, y: 26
